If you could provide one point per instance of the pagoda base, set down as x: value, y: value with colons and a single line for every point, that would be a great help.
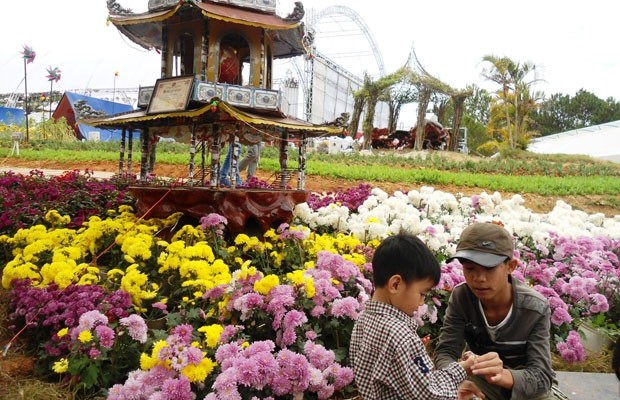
x: 246, y: 209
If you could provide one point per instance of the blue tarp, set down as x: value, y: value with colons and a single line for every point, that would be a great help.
x: 12, y: 116
x: 85, y: 107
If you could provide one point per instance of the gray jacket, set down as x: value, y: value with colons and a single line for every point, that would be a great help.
x: 523, y: 343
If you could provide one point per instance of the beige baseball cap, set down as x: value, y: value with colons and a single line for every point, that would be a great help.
x: 485, y: 243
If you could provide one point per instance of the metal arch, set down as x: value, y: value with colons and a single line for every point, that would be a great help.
x: 355, y: 17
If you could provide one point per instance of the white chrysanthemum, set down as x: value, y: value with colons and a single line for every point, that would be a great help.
x: 380, y: 194
x: 415, y: 198
x: 596, y: 219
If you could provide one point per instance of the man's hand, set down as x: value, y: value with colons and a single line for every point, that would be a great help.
x: 469, y: 391
x: 491, y: 367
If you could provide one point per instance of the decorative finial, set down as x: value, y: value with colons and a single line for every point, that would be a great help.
x: 117, y: 9
x: 297, y: 14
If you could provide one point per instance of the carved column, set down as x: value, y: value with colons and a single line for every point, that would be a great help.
x: 216, y: 147
x: 303, y: 146
x: 121, y: 151
x: 145, y: 136
x: 192, y: 153
x: 283, y: 157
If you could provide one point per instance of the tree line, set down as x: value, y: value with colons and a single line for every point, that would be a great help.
x: 509, y: 116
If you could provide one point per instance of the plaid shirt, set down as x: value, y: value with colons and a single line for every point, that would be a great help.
x: 390, y: 361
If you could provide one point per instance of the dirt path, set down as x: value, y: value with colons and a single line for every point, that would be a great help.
x: 590, y: 204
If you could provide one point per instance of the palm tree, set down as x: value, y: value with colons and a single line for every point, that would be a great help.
x: 511, y: 77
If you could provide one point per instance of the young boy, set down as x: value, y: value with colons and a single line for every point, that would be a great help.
x: 388, y: 358
x: 492, y: 312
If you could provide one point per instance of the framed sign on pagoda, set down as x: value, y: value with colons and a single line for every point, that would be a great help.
x: 171, y: 94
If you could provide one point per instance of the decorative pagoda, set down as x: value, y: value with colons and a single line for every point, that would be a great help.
x: 215, y: 88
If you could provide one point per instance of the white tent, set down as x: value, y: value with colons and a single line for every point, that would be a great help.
x: 598, y: 141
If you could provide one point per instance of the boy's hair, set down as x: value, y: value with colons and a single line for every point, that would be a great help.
x: 405, y: 255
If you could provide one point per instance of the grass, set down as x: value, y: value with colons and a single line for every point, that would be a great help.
x: 518, y: 172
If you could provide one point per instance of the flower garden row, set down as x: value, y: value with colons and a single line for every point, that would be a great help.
x: 145, y: 309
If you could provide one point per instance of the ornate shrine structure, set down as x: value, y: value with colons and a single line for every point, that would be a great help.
x: 215, y: 88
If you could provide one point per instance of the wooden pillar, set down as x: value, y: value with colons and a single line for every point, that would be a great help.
x: 192, y: 153
x: 130, y: 153
x: 145, y: 154
x: 303, y: 147
x: 216, y: 147
x: 203, y: 159
x: 204, y: 52
x: 234, y: 160
x: 283, y: 157
x: 121, y: 151
x: 164, y: 52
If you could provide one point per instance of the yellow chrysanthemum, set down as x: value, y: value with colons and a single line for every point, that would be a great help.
x: 264, y: 285
x: 356, y: 258
x: 296, y: 277
x: 309, y: 287
x: 125, y: 209
x: 63, y: 332
x: 17, y: 269
x: 85, y: 336
x: 88, y: 279
x: 54, y: 218
x: 198, y: 373
x: 147, y: 362
x: 61, y: 366
x: 212, y: 334
x: 115, y: 271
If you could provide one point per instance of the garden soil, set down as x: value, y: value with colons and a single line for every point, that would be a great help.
x: 537, y: 203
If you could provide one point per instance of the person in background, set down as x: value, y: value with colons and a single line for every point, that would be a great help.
x: 388, y: 358
x: 152, y: 152
x: 250, y: 161
x: 225, y: 170
x: 503, y: 320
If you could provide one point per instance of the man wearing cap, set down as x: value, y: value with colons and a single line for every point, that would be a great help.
x: 499, y: 318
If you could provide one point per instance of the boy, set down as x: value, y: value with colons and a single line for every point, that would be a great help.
x: 492, y: 312
x: 388, y: 358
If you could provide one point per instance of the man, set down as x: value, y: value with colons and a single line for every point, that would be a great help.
x: 250, y: 161
x: 492, y: 313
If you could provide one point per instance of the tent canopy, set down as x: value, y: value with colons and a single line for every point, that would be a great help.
x: 76, y: 108
x: 597, y: 141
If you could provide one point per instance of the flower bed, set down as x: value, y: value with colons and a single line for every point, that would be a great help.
x: 265, y: 317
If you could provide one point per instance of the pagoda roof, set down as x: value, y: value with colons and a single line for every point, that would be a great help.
x: 203, y: 114
x: 145, y: 29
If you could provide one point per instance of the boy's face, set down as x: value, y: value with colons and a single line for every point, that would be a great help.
x: 409, y: 297
x: 487, y: 283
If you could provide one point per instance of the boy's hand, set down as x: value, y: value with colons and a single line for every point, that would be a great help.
x: 467, y: 361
